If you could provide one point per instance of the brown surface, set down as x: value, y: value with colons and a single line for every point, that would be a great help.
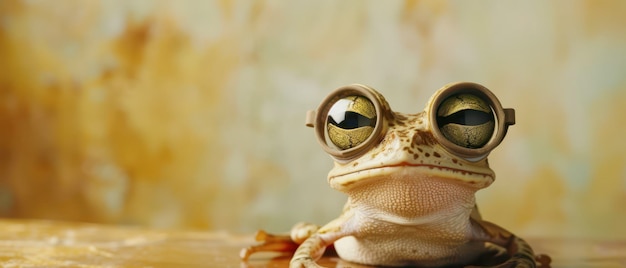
x: 30, y: 243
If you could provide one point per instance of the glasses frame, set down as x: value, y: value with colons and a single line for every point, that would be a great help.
x: 318, y: 119
x: 503, y: 119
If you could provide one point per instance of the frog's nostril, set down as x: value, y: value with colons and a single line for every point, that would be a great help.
x: 422, y: 138
x: 417, y: 139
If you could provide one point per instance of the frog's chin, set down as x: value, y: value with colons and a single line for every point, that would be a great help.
x: 411, y: 172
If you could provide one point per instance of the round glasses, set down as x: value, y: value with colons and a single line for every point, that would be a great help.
x: 465, y: 118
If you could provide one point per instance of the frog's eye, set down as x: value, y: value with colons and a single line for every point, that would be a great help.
x: 350, y: 121
x: 466, y: 120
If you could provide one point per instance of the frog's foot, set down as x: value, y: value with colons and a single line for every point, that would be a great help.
x: 524, y: 257
x: 270, y: 242
x: 493, y: 255
x: 497, y: 257
x: 524, y: 261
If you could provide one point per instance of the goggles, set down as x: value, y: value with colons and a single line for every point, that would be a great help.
x: 465, y: 118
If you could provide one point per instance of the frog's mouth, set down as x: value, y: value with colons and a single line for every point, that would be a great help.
x: 347, y: 180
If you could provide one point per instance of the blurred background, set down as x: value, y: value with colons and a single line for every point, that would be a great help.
x: 190, y: 114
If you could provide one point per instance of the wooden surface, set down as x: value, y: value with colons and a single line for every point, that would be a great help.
x: 29, y: 243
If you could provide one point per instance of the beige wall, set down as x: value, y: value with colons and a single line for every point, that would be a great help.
x: 189, y: 114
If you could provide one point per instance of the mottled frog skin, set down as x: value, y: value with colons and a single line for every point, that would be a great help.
x: 410, y: 181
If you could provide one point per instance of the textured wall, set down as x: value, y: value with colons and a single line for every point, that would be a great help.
x: 190, y: 113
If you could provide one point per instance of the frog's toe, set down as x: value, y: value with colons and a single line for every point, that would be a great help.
x: 273, y: 246
x: 543, y: 260
x: 262, y: 236
x: 245, y: 253
x: 269, y: 242
x: 302, y: 231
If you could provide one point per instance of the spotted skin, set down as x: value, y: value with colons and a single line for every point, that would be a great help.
x: 410, y: 203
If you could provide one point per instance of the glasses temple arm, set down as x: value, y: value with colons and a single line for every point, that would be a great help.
x: 509, y: 116
x: 310, y: 118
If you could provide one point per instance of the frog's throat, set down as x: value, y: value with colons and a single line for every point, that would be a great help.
x: 473, y: 179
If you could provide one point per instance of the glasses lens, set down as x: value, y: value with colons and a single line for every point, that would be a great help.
x: 351, y: 121
x: 466, y: 120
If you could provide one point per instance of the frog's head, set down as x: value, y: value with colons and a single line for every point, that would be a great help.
x: 449, y: 140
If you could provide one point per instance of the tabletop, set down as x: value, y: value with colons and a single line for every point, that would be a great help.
x: 37, y: 243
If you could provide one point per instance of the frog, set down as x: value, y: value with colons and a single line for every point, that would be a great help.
x: 411, y: 181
